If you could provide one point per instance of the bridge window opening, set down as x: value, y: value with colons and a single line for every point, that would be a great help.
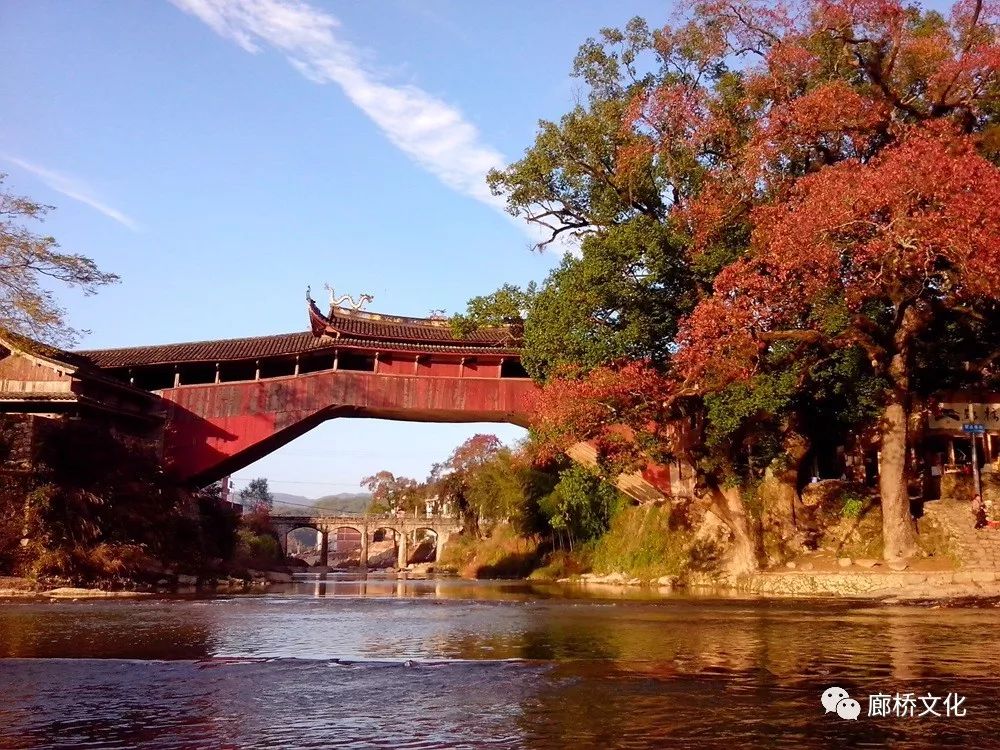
x: 512, y: 368
x: 314, y: 363
x: 358, y: 362
x: 198, y: 373
x: 345, y: 542
x: 155, y: 378
x: 231, y: 372
x: 383, y: 552
x: 276, y: 368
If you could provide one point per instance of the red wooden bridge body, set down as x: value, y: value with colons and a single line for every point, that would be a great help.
x: 228, y: 403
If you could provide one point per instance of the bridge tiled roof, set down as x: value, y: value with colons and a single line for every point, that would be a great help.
x: 343, y: 322
x: 370, y: 325
x: 221, y: 350
x: 260, y: 347
x: 341, y: 328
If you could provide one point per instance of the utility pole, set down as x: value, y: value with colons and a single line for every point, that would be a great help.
x: 975, y: 456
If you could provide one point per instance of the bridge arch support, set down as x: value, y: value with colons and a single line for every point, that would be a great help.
x: 217, y: 429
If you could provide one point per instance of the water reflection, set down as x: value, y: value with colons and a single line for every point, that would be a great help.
x: 344, y: 662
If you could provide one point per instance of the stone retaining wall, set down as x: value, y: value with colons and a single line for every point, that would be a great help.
x: 906, y: 584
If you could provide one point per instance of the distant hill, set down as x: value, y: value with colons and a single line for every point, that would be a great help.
x: 286, y: 504
x: 283, y: 498
x: 347, y: 502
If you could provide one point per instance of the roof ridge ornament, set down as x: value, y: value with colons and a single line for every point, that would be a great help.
x: 363, y: 299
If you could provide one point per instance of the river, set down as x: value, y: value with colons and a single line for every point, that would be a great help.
x: 343, y: 663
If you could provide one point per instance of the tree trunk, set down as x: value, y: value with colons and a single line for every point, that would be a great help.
x: 727, y: 504
x: 780, y: 488
x: 898, y: 535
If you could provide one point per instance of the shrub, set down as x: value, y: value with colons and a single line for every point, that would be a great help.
x: 853, y: 505
x: 256, y: 550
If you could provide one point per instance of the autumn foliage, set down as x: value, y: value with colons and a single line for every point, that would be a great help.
x: 606, y: 406
x: 919, y: 222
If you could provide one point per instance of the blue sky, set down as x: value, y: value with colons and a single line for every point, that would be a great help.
x: 220, y: 155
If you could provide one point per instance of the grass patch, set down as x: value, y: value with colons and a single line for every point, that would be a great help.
x: 643, y: 542
x: 858, y: 532
x: 501, y: 554
x: 563, y: 564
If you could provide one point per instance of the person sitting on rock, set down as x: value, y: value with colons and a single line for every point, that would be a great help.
x: 979, y: 511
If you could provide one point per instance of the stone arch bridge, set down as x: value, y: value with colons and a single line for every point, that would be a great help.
x: 402, y: 527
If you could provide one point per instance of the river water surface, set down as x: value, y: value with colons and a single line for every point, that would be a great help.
x: 453, y: 664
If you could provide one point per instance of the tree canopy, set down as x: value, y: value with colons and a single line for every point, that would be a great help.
x: 391, y: 493
x: 780, y: 209
x: 256, y: 497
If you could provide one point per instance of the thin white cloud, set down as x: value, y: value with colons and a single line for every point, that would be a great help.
x: 430, y: 131
x: 73, y: 188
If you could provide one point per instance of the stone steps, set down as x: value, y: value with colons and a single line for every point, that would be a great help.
x: 975, y: 548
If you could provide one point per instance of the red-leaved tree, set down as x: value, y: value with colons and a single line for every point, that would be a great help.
x: 862, y: 254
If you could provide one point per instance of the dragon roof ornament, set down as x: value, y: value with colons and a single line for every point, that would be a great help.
x: 363, y: 299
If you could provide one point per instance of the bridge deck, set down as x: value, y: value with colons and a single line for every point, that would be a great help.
x: 366, y: 521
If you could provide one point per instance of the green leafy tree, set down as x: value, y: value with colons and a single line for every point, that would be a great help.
x: 581, y: 505
x: 455, y: 479
x: 508, y: 487
x: 391, y: 493
x: 507, y: 305
x: 256, y: 497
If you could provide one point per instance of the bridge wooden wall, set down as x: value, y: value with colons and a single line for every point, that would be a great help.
x: 215, y: 429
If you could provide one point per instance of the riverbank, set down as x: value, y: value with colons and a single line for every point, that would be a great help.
x: 643, y: 548
x: 889, y: 586
x: 12, y: 587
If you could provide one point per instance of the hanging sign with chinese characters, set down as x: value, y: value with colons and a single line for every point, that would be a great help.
x: 952, y: 416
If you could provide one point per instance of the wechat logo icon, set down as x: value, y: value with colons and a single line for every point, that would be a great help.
x: 836, y: 699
